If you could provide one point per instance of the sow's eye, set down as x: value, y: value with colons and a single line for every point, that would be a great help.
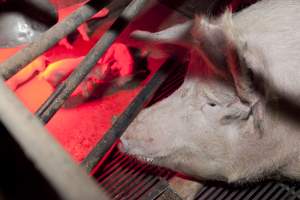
x: 212, y: 104
x: 211, y: 110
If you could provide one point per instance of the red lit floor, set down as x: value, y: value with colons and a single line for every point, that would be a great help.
x: 79, y: 129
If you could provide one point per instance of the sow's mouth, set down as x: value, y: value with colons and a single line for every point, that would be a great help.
x: 123, y: 147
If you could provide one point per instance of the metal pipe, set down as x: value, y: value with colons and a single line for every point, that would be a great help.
x: 23, y: 21
x: 116, y: 131
x: 65, y: 89
x: 48, y: 39
x: 66, y: 177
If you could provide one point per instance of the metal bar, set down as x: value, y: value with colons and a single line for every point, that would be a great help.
x: 127, y: 116
x: 48, y: 39
x: 64, y: 90
x: 68, y: 179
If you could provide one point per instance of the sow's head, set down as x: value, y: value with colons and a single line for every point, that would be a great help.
x: 202, y: 127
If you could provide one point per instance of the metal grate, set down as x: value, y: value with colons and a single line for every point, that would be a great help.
x: 262, y: 191
x: 125, y: 178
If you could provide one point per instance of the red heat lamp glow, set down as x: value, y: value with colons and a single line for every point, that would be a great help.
x: 78, y: 129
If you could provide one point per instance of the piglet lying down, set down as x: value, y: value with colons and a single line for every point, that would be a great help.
x: 235, y: 118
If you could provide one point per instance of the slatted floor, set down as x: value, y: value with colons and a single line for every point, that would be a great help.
x: 125, y: 178
x: 263, y: 191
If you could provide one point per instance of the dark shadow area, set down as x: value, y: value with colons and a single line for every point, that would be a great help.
x: 191, y: 7
x: 281, y: 104
x: 207, y: 7
x: 19, y: 179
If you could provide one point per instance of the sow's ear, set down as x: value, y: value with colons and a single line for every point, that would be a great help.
x: 216, y: 41
x: 222, y: 48
x: 161, y: 44
x: 178, y: 34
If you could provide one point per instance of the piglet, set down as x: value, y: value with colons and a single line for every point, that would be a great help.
x: 236, y: 116
x: 116, y: 65
x: 83, y: 28
x: 41, y: 62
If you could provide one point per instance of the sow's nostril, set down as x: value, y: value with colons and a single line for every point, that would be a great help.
x: 123, y: 145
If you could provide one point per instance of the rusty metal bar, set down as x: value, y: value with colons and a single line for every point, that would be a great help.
x: 48, y: 39
x: 67, y: 179
x: 116, y: 131
x: 64, y: 90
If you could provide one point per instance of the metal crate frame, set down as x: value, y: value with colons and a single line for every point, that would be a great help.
x: 64, y: 179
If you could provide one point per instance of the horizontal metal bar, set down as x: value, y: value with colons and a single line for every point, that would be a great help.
x: 48, y: 39
x: 67, y: 179
x: 64, y: 90
x: 116, y: 131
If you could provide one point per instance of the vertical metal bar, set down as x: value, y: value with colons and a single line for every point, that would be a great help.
x: 127, y: 116
x: 68, y: 180
x: 64, y: 90
x: 50, y: 38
